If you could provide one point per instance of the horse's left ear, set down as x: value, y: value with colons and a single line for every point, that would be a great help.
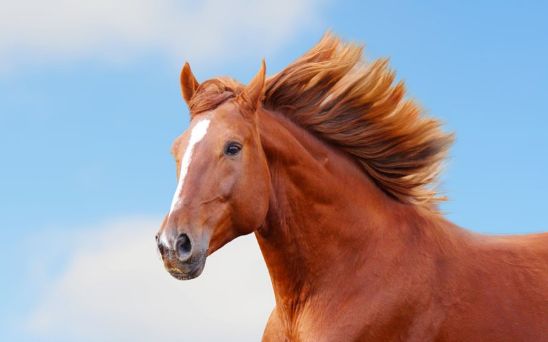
x: 253, y: 93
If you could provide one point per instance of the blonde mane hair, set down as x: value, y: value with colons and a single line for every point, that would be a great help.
x: 334, y: 94
x: 354, y: 106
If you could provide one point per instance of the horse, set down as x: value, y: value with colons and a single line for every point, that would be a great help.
x: 334, y: 170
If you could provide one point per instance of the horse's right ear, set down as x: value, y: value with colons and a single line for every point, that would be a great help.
x: 253, y: 93
x: 189, y: 84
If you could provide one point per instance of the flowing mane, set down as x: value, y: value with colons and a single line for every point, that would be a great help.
x: 355, y: 106
x: 334, y: 94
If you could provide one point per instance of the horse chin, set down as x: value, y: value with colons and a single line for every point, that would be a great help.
x: 187, y: 271
x: 185, y: 276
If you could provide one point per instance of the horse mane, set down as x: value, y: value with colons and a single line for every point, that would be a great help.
x: 354, y: 106
x: 334, y: 94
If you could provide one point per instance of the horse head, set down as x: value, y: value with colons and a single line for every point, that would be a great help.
x: 223, y: 177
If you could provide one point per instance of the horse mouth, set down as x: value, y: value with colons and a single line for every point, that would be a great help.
x: 186, y: 275
x: 186, y: 270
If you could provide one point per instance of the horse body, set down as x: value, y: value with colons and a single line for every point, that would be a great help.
x: 330, y: 167
x: 349, y: 263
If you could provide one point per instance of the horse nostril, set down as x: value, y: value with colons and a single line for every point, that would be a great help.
x: 183, y: 247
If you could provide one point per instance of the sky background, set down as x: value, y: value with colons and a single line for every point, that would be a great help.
x: 90, y: 103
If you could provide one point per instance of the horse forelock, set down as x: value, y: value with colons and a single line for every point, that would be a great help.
x: 212, y: 93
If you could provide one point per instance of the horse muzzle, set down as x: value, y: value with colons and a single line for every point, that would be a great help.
x: 184, y: 259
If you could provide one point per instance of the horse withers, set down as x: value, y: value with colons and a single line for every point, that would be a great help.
x: 331, y: 168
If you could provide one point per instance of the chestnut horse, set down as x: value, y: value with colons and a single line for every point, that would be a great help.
x: 332, y: 168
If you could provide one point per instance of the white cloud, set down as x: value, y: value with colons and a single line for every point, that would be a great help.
x: 115, y: 289
x: 33, y: 30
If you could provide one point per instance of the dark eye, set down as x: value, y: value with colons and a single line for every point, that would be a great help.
x: 232, y: 148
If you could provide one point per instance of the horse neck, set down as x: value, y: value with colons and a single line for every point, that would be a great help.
x: 327, y: 218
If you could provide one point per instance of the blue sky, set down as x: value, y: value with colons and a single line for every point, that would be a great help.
x: 90, y: 103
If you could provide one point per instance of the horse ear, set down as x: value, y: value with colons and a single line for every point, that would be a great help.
x: 253, y: 93
x: 189, y: 84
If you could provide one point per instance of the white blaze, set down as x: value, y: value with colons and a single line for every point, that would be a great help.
x: 198, y: 133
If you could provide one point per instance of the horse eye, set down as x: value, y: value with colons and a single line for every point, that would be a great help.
x: 232, y: 148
